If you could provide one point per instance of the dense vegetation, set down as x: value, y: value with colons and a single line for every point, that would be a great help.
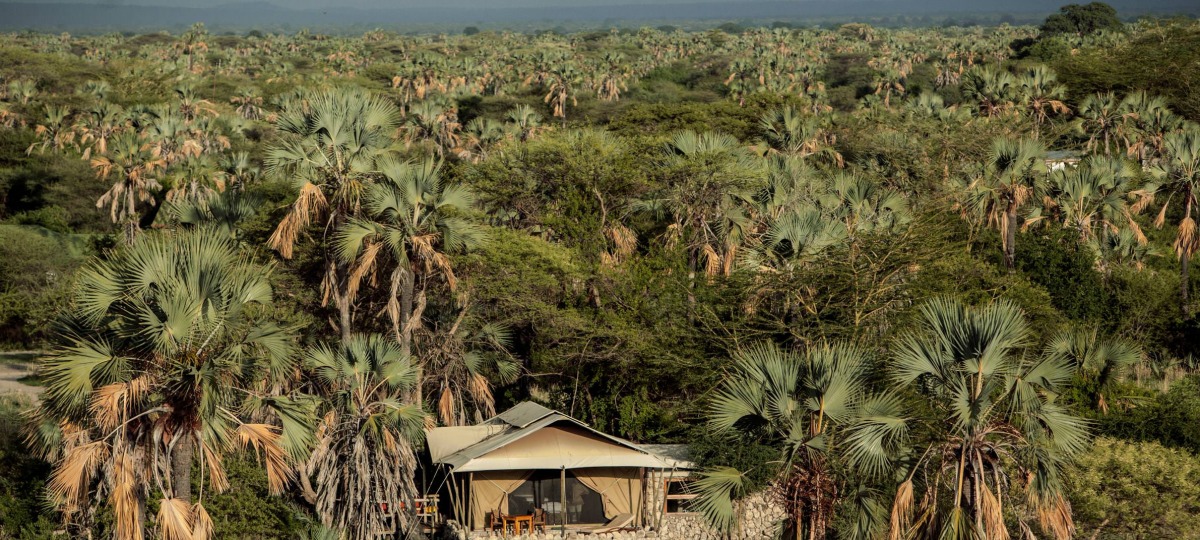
x: 260, y: 264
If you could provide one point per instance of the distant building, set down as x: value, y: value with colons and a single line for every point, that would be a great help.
x: 1057, y: 160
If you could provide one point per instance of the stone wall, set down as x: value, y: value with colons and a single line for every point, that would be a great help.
x: 760, y: 519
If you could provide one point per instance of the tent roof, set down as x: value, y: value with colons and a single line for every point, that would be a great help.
x: 530, y: 436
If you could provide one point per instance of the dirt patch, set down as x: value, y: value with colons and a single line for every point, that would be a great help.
x: 11, y: 374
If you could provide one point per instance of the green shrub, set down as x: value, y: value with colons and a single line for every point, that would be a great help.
x: 1134, y: 490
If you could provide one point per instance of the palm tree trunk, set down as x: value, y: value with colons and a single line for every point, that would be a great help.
x: 1185, y: 256
x: 1183, y: 283
x: 1010, y: 237
x: 406, y: 307
x: 181, y: 468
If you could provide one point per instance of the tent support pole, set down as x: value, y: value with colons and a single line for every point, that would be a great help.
x: 471, y: 499
x: 562, y: 492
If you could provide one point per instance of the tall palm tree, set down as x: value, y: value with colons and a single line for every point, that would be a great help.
x: 789, y: 132
x: 1042, y: 96
x: 132, y: 166
x: 992, y: 417
x: 330, y: 147
x: 411, y: 222
x: 993, y: 89
x: 799, y: 403
x: 713, y: 182
x: 459, y: 363
x: 1011, y: 179
x: 1098, y: 198
x: 1146, y: 122
x: 1100, y: 119
x: 1180, y: 175
x: 1099, y: 362
x: 363, y: 462
x: 158, y: 361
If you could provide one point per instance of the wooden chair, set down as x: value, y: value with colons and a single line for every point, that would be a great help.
x: 496, y: 522
x: 539, y: 520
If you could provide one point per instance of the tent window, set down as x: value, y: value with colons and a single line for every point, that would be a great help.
x: 541, y: 490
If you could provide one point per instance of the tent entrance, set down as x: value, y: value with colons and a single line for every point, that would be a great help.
x: 542, y: 490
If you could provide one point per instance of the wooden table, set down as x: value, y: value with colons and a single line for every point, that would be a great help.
x: 518, y: 520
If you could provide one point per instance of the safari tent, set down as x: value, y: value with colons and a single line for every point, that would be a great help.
x: 532, y: 457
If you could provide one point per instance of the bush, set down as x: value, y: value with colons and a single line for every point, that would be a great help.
x: 1131, y: 490
x: 1170, y: 419
x: 22, y: 511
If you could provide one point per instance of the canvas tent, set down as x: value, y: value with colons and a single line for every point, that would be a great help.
x: 530, y: 456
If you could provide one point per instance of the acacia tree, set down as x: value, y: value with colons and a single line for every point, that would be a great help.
x: 330, y: 147
x: 156, y: 368
x: 992, y: 428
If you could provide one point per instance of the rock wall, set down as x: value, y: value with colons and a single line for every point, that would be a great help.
x: 760, y: 520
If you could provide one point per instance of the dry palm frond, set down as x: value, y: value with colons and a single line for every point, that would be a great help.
x: 442, y: 263
x: 1054, y: 515
x: 174, y: 520
x: 72, y: 475
x: 127, y: 508
x: 624, y: 240
x: 203, y: 527
x: 1185, y: 242
x: 216, y: 468
x: 712, y: 261
x: 993, y: 516
x: 310, y: 203
x: 362, y: 267
x: 446, y: 407
x: 901, y: 511
x: 481, y: 392
x: 266, y: 440
x: 1162, y: 215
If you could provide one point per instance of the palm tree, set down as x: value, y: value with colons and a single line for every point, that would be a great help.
x: 55, y: 132
x: 992, y: 416
x: 459, y: 363
x: 330, y: 147
x: 799, y: 403
x: 223, y: 212
x: 156, y: 366
x: 133, y: 165
x: 1010, y: 179
x: 713, y: 180
x: 525, y: 121
x: 1042, y: 96
x: 412, y: 221
x: 1097, y: 198
x: 1147, y: 121
x: 861, y: 205
x: 249, y: 105
x: 560, y: 86
x: 1100, y: 119
x: 363, y: 463
x: 786, y: 131
x: 1099, y: 362
x: 1181, y: 175
x: 993, y: 89
x: 99, y: 125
